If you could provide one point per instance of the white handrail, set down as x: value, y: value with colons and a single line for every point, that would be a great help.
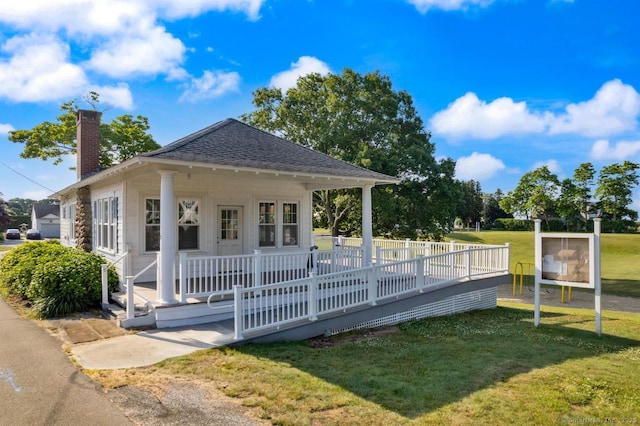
x: 274, y: 305
x: 104, y: 276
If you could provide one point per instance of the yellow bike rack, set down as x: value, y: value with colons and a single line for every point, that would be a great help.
x: 530, y: 266
x: 515, y: 274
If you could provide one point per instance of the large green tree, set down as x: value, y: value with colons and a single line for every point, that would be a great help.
x: 491, y: 209
x: 470, y: 207
x: 534, y: 196
x: 575, y: 198
x: 363, y: 120
x: 615, y: 187
x: 122, y: 138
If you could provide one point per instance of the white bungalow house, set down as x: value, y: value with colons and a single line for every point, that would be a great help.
x: 228, y: 189
x: 226, y: 212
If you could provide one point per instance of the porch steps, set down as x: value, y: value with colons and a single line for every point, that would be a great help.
x: 168, y: 316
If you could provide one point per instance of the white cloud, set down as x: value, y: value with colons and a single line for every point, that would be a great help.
x: 614, y: 108
x: 118, y: 96
x: 6, y: 128
x: 305, y: 65
x: 39, y: 70
x: 119, y: 39
x: 552, y: 165
x: 180, y: 8
x: 424, y: 6
x: 150, y: 52
x: 468, y: 116
x: 478, y: 167
x: 109, y: 17
x: 624, y: 150
x: 211, y: 85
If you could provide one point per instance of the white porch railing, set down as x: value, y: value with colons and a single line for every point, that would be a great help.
x: 394, y: 250
x: 207, y: 276
x: 275, y: 305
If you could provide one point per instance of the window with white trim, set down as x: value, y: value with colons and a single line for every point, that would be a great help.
x: 289, y: 224
x: 105, y: 211
x: 72, y: 222
x: 188, y: 224
x: 152, y: 224
x: 278, y: 224
x: 267, y: 224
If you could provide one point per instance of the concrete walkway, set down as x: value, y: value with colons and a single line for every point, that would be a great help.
x: 148, y: 347
x: 38, y: 383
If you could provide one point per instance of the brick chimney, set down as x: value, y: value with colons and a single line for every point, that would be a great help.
x: 88, y: 142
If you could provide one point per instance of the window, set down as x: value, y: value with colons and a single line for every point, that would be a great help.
x: 188, y: 224
x: 278, y: 230
x: 289, y: 224
x: 229, y: 224
x: 105, y: 211
x: 267, y: 225
x: 152, y: 225
x: 72, y: 222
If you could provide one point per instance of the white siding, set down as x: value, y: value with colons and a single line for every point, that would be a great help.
x: 212, y: 192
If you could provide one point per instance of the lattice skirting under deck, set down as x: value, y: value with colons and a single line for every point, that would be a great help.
x: 475, y: 300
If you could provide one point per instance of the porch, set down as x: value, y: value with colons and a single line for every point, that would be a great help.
x: 267, y: 292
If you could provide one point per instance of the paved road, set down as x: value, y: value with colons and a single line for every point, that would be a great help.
x: 38, y: 383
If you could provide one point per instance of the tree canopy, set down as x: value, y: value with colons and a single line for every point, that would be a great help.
x: 363, y: 120
x: 540, y: 193
x: 122, y: 138
x: 5, y: 218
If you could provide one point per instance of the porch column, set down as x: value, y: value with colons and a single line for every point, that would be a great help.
x: 166, y: 276
x: 367, y: 225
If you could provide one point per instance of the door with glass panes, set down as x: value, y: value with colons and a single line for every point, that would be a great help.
x: 229, y: 230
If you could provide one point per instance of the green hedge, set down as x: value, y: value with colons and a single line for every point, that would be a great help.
x: 58, y: 280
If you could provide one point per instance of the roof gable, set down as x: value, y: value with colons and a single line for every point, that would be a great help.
x: 236, y: 144
x: 42, y: 210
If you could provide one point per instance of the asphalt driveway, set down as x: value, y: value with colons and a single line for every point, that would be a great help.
x: 38, y: 383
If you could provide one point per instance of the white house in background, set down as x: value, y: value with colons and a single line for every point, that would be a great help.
x: 46, y: 218
x: 227, y: 189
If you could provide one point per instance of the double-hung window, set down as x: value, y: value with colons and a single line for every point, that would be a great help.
x: 152, y: 225
x: 278, y: 224
x: 72, y: 222
x: 267, y: 224
x: 289, y: 224
x: 105, y: 212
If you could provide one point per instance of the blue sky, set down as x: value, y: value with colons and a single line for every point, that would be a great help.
x: 504, y: 86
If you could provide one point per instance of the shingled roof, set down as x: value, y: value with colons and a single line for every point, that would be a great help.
x: 236, y: 144
x: 42, y: 210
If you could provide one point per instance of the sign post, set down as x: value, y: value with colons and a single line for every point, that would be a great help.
x: 567, y: 259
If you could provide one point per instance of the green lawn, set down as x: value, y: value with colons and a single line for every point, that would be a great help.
x: 620, y: 256
x: 487, y: 367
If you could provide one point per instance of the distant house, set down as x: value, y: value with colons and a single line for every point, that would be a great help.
x: 46, y: 218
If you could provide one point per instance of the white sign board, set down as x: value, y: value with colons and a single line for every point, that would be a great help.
x: 571, y: 260
x: 567, y: 260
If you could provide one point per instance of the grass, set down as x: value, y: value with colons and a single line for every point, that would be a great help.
x: 619, y: 256
x: 485, y: 367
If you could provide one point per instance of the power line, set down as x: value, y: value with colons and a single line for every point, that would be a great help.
x: 26, y: 177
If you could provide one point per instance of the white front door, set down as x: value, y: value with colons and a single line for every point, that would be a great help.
x: 229, y: 230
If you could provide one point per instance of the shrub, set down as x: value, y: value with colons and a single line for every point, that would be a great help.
x: 59, y: 280
x: 17, y: 266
